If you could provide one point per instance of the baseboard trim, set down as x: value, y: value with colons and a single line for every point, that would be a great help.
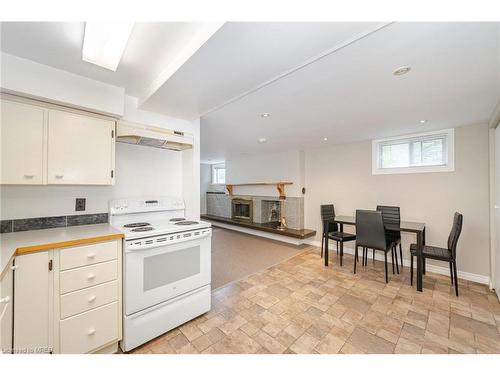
x: 480, y: 279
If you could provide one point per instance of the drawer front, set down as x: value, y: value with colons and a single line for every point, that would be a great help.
x: 88, y: 254
x: 85, y: 277
x: 88, y: 298
x: 88, y: 331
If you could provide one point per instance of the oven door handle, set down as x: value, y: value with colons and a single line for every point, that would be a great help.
x: 133, y: 245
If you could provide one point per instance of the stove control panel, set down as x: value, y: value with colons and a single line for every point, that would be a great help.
x: 127, y: 206
x: 166, y: 239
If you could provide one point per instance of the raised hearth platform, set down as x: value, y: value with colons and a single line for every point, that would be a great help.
x: 294, y: 236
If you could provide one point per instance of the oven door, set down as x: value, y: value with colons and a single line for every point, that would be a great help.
x: 157, y: 274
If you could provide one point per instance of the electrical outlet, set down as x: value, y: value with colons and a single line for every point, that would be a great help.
x: 80, y: 204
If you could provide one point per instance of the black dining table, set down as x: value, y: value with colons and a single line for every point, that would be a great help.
x: 405, y: 226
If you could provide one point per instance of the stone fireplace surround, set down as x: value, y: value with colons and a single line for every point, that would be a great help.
x: 219, y: 204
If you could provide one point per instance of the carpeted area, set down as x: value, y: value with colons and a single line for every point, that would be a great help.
x: 236, y: 255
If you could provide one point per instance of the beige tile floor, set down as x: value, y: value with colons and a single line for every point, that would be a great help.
x: 300, y: 306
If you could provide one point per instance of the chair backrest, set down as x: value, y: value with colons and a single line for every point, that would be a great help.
x: 328, y: 213
x: 456, y: 229
x: 391, y: 215
x: 370, y: 230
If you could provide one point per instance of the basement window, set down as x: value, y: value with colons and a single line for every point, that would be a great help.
x: 219, y: 174
x: 418, y: 153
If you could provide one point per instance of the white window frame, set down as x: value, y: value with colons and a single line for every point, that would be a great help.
x: 450, y: 149
x: 213, y: 169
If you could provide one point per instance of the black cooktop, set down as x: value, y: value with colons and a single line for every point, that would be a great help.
x: 186, y: 222
x: 136, y: 225
x: 142, y: 229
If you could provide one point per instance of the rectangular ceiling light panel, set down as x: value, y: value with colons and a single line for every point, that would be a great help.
x: 105, y: 42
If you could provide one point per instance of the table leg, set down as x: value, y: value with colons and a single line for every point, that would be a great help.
x: 341, y: 229
x: 420, y: 238
x: 326, y: 243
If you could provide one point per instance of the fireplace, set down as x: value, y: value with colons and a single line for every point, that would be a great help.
x: 241, y: 209
x: 270, y: 211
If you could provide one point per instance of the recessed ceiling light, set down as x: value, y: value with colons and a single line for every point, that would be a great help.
x: 105, y: 42
x: 262, y: 140
x: 401, y: 70
x: 325, y: 139
x: 423, y: 121
x: 265, y: 115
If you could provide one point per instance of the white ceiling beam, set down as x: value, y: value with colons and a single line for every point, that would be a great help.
x: 206, y: 31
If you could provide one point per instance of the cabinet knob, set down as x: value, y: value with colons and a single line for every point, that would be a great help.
x: 91, y: 331
x: 91, y: 255
x: 59, y: 175
x: 91, y: 277
x: 5, y: 299
x: 29, y: 175
x: 91, y: 299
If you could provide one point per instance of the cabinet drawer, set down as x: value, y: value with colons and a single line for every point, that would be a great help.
x: 88, y: 298
x: 88, y: 331
x: 88, y: 254
x: 85, y: 277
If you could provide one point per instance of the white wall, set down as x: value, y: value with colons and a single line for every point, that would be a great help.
x: 205, y: 179
x: 342, y: 175
x: 140, y: 171
x: 38, y: 81
x: 190, y: 181
x: 206, y: 185
x: 283, y: 166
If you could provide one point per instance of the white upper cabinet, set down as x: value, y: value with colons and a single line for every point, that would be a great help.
x: 22, y: 143
x: 80, y: 149
x: 41, y: 144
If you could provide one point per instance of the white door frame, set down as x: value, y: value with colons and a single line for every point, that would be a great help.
x: 494, y: 149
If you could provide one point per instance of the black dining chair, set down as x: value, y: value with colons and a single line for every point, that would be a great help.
x: 331, y: 230
x: 392, y: 222
x: 444, y: 254
x: 327, y: 215
x: 370, y: 233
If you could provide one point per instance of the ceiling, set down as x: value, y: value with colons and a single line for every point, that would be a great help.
x: 352, y: 95
x: 151, y: 48
x: 242, y: 56
x: 317, y: 80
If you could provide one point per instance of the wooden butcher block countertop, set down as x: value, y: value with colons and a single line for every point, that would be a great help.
x: 47, y: 239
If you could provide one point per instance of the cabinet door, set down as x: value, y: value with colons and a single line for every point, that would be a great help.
x: 6, y: 301
x: 22, y: 143
x: 32, y: 298
x: 80, y: 149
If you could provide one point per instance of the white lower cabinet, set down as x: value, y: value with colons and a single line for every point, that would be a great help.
x: 85, y: 277
x: 6, y: 311
x: 86, y: 332
x: 88, y: 299
x: 32, y: 303
x: 75, y: 310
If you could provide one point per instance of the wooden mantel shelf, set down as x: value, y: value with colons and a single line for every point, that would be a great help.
x: 279, y: 185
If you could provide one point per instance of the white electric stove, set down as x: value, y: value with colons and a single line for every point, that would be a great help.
x: 166, y: 266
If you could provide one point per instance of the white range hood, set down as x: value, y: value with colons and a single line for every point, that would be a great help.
x: 151, y: 136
